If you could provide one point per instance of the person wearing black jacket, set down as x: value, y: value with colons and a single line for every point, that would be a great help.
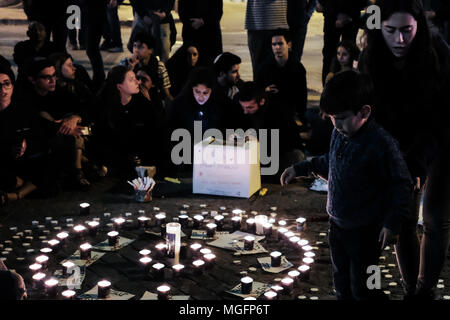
x: 438, y: 16
x: 201, y: 26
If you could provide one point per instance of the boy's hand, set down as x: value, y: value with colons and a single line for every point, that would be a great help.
x: 288, y: 176
x: 387, y: 237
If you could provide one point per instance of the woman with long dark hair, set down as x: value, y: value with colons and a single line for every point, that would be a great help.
x: 410, y: 71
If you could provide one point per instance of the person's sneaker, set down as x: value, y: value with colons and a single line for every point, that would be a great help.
x: 115, y: 49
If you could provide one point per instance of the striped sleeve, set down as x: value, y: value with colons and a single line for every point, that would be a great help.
x: 163, y: 75
x: 266, y: 15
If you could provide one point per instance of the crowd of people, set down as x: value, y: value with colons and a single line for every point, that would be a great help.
x: 383, y: 109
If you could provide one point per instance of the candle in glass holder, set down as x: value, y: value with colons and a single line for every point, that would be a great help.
x: 93, y: 227
x: 144, y: 221
x: 173, y: 240
x: 158, y: 271
x: 160, y: 219
x: 210, y: 230
x: 304, y: 272
x: 267, y: 230
x: 79, y: 231
x: 281, y: 233
x: 249, y: 242
x: 145, y: 252
x: 219, y: 221
x: 236, y: 223
x: 35, y: 267
x: 118, y: 223
x: 301, y: 224
x: 270, y: 295
x: 163, y: 292
x: 195, y: 250
x: 209, y: 260
x: 287, y: 284
x: 246, y: 285
x: 260, y: 220
x: 275, y: 259
x: 68, y: 266
x: 68, y: 294
x: 113, y: 238
x: 251, y: 226
x: 42, y: 260
x: 145, y: 263
x: 183, y: 219
x: 294, y: 274
x: 177, y: 269
x: 198, y: 219
x: 51, y: 287
x: 104, y: 289
x: 38, y: 280
x: 85, y: 251
x: 160, y: 250
x: 198, y: 266
x: 84, y: 209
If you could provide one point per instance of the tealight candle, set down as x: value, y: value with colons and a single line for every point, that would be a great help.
x: 309, y: 254
x: 287, y: 284
x: 250, y: 298
x: 209, y: 260
x: 302, y: 243
x: 158, y: 271
x: 46, y: 250
x: 246, y: 285
x: 93, y: 227
x: 104, y: 289
x: 214, y: 213
x: 38, y: 280
x: 163, y: 292
x: 275, y: 259
x: 270, y: 295
x: 195, y: 250
x: 42, y: 260
x: 281, y: 233
x: 267, y: 230
x: 249, y: 242
x: 251, y: 227
x: 145, y: 262
x: 294, y: 240
x: 143, y: 221
x: 183, y: 219
x: 219, y: 221
x: 237, y: 212
x: 210, y: 230
x: 68, y: 294
x: 308, y: 261
x: 260, y: 220
x: 289, y: 234
x: 118, y: 223
x: 301, y: 224
x: 113, y: 238
x: 236, y: 223
x: 85, y: 251
x: 84, y: 209
x: 145, y: 252
x: 160, y: 219
x: 198, y: 266
x: 160, y: 250
x: 54, y: 244
x: 51, y: 286
x: 282, y: 223
x: 205, y: 251
x: 35, y: 267
x: 304, y: 272
x: 68, y: 266
x: 62, y: 236
x: 278, y: 289
x: 294, y: 274
x: 79, y: 230
x: 198, y: 219
x: 177, y: 269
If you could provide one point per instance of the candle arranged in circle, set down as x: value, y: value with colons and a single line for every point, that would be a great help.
x: 145, y: 252
x: 236, y: 212
x: 183, y: 219
x: 54, y: 244
x: 210, y: 230
x: 113, y: 238
x: 278, y: 289
x: 35, y: 267
x: 209, y: 260
x: 294, y: 274
x: 275, y: 259
x: 118, y: 223
x: 282, y: 223
x: 93, y: 227
x: 294, y: 240
x: 304, y: 272
x: 163, y: 292
x: 160, y: 219
x: 260, y: 220
x: 85, y: 251
x: 246, y: 285
x: 251, y: 227
x: 104, y: 289
x: 46, y: 250
x: 249, y: 242
x: 288, y: 235
x: 38, y: 280
x: 219, y: 221
x: 84, y: 209
x: 79, y: 230
x: 68, y: 266
x: 68, y: 294
x: 145, y: 262
x: 309, y: 254
x: 198, y: 266
x: 267, y: 229
x: 42, y: 260
x: 236, y: 223
x: 270, y: 295
x: 158, y: 271
x: 301, y: 224
x: 308, y: 261
x: 51, y: 286
x: 302, y: 243
x: 287, y: 284
x: 160, y: 250
x: 62, y: 236
x: 143, y: 221
x: 198, y: 219
x: 177, y: 269
x: 281, y: 233
x: 195, y: 250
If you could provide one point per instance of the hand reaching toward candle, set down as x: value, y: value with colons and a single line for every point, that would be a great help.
x: 288, y: 176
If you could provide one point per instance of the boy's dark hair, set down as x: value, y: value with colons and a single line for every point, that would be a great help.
x: 35, y: 65
x: 200, y: 75
x: 6, y: 69
x: 282, y: 33
x: 225, y: 61
x: 250, y: 91
x: 346, y: 91
x: 145, y: 38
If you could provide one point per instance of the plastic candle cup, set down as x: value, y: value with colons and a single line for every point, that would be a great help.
x: 84, y: 209
x: 301, y: 224
x: 177, y: 270
x: 249, y: 242
x: 260, y: 220
x: 85, y: 251
x: 79, y: 231
x: 145, y: 263
x: 68, y: 266
x: 275, y: 259
x: 198, y: 219
x: 209, y: 260
x: 251, y: 226
x: 38, y: 280
x: 270, y: 295
x: 281, y: 233
x: 118, y: 223
x: 144, y: 221
x: 113, y: 238
x: 195, y: 250
x: 51, y: 287
x: 304, y: 272
x: 219, y: 221
x: 236, y: 223
x: 246, y: 285
x: 163, y: 292
x: 158, y: 271
x: 287, y: 284
x: 104, y: 289
x: 160, y: 250
x: 210, y: 230
x: 267, y: 230
x: 294, y: 274
x: 93, y: 227
x: 68, y: 294
x: 160, y: 219
x: 198, y: 266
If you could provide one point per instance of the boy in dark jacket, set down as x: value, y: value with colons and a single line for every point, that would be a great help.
x: 369, y: 184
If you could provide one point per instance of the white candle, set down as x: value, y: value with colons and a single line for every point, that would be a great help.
x: 177, y: 269
x: 287, y: 283
x: 68, y: 294
x: 260, y: 220
x: 198, y: 265
x: 308, y: 261
x: 35, y: 267
x: 249, y: 242
x: 163, y: 292
x: 205, y: 251
x: 104, y: 288
x: 282, y: 223
x: 46, y: 250
x: 309, y: 254
x: 270, y: 295
x: 84, y: 209
x: 246, y: 285
x: 42, y: 260
x: 145, y: 252
x: 275, y: 258
x: 51, y: 286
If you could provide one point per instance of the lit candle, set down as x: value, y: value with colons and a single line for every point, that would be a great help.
x: 288, y: 235
x: 118, y: 223
x: 275, y: 259
x: 68, y: 266
x: 249, y: 242
x: 68, y: 294
x: 145, y: 262
x: 62, y: 236
x: 250, y: 298
x: 270, y: 295
x: 281, y: 232
x: 183, y: 219
x: 163, y: 292
x: 195, y: 250
x: 294, y: 274
x: 113, y: 238
x: 251, y: 227
x: 177, y: 269
x: 302, y: 243
x: 35, y: 267
x: 209, y: 260
x: 198, y: 219
x: 160, y: 219
x: 54, y: 244
x: 158, y: 271
x: 219, y: 221
x: 309, y: 254
x: 294, y: 240
x: 143, y: 221
x: 267, y: 230
x: 260, y: 220
x: 308, y: 261
x: 51, y: 286
x: 46, y: 250
x: 104, y: 289
x: 210, y: 230
x: 38, y: 280
x: 84, y: 209
x: 198, y: 266
x: 246, y: 285
x: 160, y: 250
x: 85, y: 251
x: 278, y: 289
x: 93, y: 227
x: 237, y: 212
x: 42, y: 260
x: 79, y: 231
x: 287, y: 284
x: 304, y: 272
x: 282, y: 223
x: 145, y: 252
x: 301, y: 224
x: 236, y: 223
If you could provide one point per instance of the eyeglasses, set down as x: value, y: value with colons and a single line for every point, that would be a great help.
x: 6, y: 85
x: 47, y: 77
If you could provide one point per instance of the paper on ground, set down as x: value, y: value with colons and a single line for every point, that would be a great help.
x: 104, y: 246
x: 114, y: 295
x: 158, y: 234
x: 257, y: 248
x: 266, y: 265
x: 229, y: 241
x: 75, y: 258
x: 201, y: 234
x: 73, y: 280
x: 258, y: 289
x: 153, y: 296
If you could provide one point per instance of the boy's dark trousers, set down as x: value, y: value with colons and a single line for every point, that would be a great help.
x: 352, y: 251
